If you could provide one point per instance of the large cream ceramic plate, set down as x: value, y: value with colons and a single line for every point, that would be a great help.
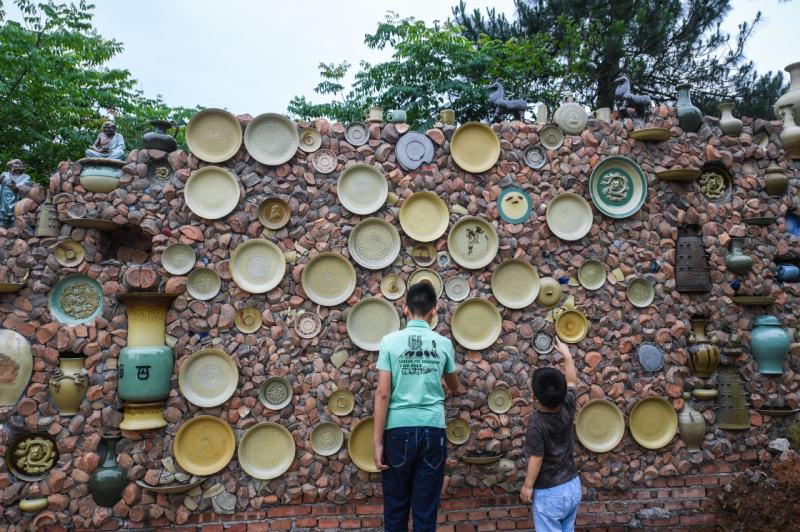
x: 178, y: 258
x: 515, y: 283
x: 426, y: 275
x: 208, y: 378
x: 424, y: 216
x: 572, y: 326
x: 204, y: 445
x: 214, y: 135
x: 653, y: 422
x: 212, y: 192
x: 476, y: 324
x: 362, y: 189
x: 569, y: 216
x: 326, y: 438
x: 374, y: 243
x: 472, y: 242
x: 266, y: 451
x: 341, y: 402
x: 360, y: 446
x: 203, y: 284
x: 600, y: 425
x: 370, y: 320
x: 618, y: 187
x: 257, y: 266
x: 271, y: 139
x: 475, y: 147
x: 328, y: 279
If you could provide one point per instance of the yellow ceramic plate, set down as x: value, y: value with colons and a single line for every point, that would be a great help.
x: 458, y: 431
x: 257, y: 266
x: 475, y: 147
x: 600, y: 425
x: 374, y: 243
x: 248, y: 320
x: 424, y: 216
x: 341, y: 402
x: 214, y: 135
x: 360, y: 445
x: 69, y: 253
x: 393, y: 286
x: 653, y: 133
x: 569, y: 216
x: 266, y: 451
x: 476, y: 324
x: 426, y: 275
x: 640, y: 292
x: 212, y: 192
x: 271, y: 139
x: 328, y: 279
x: 208, y: 378
x: 515, y: 283
x: 499, y: 401
x: 362, y: 189
x: 472, y: 242
x: 653, y: 422
x: 310, y: 140
x: 592, y: 274
x: 275, y: 393
x: 178, y: 258
x: 370, y: 320
x: 274, y: 213
x: 687, y: 174
x: 571, y: 326
x: 326, y: 438
x: 203, y: 284
x: 204, y: 445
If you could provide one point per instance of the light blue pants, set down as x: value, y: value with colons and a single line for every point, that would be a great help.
x: 555, y: 509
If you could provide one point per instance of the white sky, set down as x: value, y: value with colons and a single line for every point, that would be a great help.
x: 252, y: 56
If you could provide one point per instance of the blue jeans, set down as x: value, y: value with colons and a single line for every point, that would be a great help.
x: 555, y: 509
x: 415, y: 456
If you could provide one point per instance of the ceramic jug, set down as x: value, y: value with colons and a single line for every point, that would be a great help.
x: 374, y: 114
x: 541, y: 114
x: 159, y: 139
x: 769, y: 344
x: 445, y: 116
x: 728, y: 124
x: 604, y: 113
x: 68, y: 385
x: 790, y: 135
x: 16, y: 366
x: 571, y: 116
x: 396, y: 116
x: 736, y: 261
x: 792, y: 96
x: 703, y: 353
x: 775, y: 181
x: 689, y: 116
x: 692, y: 425
x: 108, y: 481
x: 787, y: 273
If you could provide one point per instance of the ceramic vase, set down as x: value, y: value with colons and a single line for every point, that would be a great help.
x: 729, y: 124
x: 792, y: 96
x: 692, y: 425
x: 108, y: 481
x: 68, y: 385
x: 736, y: 261
x: 788, y: 273
x: 159, y: 139
x: 16, y: 366
x: 689, y: 116
x: 703, y: 352
x: 775, y: 181
x: 790, y: 135
x: 769, y: 344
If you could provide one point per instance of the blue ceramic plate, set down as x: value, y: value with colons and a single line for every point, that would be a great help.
x: 514, y: 205
x: 76, y: 299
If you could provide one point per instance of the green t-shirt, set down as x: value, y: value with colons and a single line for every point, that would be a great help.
x: 416, y: 357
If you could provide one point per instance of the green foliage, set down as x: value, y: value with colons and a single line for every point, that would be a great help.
x: 793, y: 433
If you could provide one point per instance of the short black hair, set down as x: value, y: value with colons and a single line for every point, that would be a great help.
x: 421, y: 298
x: 549, y: 386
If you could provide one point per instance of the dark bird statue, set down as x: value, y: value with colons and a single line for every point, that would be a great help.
x: 502, y: 106
x: 625, y: 99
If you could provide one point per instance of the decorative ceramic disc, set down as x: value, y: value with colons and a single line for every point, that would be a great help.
x: 356, y: 133
x: 457, y: 288
x: 600, y: 425
x: 515, y: 283
x: 178, y: 258
x: 473, y: 242
x: 424, y: 216
x: 571, y: 326
x: 475, y: 147
x: 203, y: 284
x: 499, y: 400
x: 172, y: 488
x: 275, y: 393
x: 374, y: 243
x: 213, y: 135
x: 426, y: 275
x: 640, y: 292
x: 208, y: 378
x: 212, y: 192
x: 248, y: 320
x: 653, y: 422
x: 687, y: 174
x: 592, y: 274
x: 413, y: 149
x: 424, y: 254
x: 514, y: 205
x: 535, y: 157
x: 76, y: 299
x: 32, y: 455
x: 370, y: 320
x: 341, y: 402
x: 324, y: 161
x: 309, y: 140
x: 393, y: 286
x: 551, y: 137
x: 715, y: 183
x: 271, y: 139
x: 307, y: 325
x: 328, y: 279
x: 274, y: 213
x: 650, y: 357
x: 69, y: 253
x: 543, y: 342
x: 618, y: 187
x: 326, y: 438
x: 204, y: 445
x: 750, y: 168
x: 569, y: 216
x: 257, y: 266
x: 266, y: 451
x: 362, y: 189
x: 652, y: 133
x: 476, y: 324
x: 458, y: 431
x: 360, y: 445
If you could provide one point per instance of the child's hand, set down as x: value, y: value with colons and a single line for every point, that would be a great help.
x: 562, y: 348
x: 526, y: 494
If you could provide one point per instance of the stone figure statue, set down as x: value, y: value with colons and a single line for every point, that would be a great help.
x: 109, y: 144
x: 502, y: 106
x: 640, y: 103
x: 9, y: 190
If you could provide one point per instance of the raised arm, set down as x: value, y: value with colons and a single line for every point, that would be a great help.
x: 569, y: 363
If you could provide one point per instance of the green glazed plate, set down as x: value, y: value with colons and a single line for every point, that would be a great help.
x: 592, y: 274
x: 266, y: 451
x: 341, y: 402
x: 458, y: 431
x: 514, y: 205
x: 326, y: 438
x: 618, y: 187
x: 499, y: 401
x: 653, y: 422
x: 76, y: 299
x: 640, y: 292
x: 653, y: 133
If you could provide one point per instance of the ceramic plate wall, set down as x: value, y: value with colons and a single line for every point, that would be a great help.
x: 569, y: 216
x: 600, y: 425
x: 257, y: 266
x: 266, y: 451
x: 212, y: 192
x: 178, y: 258
x: 475, y: 147
x: 472, y: 242
x: 514, y: 205
x: 274, y: 213
x: 271, y: 139
x: 213, y: 135
x: 515, y: 283
x: 424, y: 216
x: 374, y: 243
x: 203, y: 284
x: 653, y: 422
x: 370, y: 320
x: 618, y: 187
x: 326, y: 438
x: 76, y: 299
x: 362, y: 189
x: 204, y: 445
x: 208, y: 378
x: 476, y: 324
x: 328, y: 279
x: 360, y: 446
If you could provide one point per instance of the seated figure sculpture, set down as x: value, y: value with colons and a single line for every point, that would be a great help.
x: 109, y: 144
x: 9, y: 190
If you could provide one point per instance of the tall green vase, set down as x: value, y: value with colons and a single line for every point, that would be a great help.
x: 108, y: 481
x: 689, y: 116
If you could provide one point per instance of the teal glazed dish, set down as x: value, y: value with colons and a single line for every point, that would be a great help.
x: 75, y: 300
x: 618, y: 187
x: 514, y: 205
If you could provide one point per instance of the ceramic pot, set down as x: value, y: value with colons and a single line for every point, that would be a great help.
x: 787, y: 273
x: 68, y: 385
x: 97, y: 176
x: 396, y: 116
x: 792, y: 96
x: 703, y: 352
x: 790, y: 135
x: 689, y: 116
x: 159, y: 139
x: 445, y: 116
x: 374, y: 114
x: 769, y: 344
x: 108, y: 481
x: 692, y: 425
x: 729, y: 124
x: 736, y: 261
x: 147, y: 316
x: 775, y: 181
x: 16, y: 366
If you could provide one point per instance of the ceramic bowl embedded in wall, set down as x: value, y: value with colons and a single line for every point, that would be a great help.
x: 618, y: 187
x: 499, y: 400
x: 76, y: 299
x: 640, y: 292
x: 473, y: 242
x: 248, y: 320
x: 208, y: 378
x: 653, y: 422
x: 271, y: 139
x: 515, y: 283
x: 592, y: 274
x: 341, y: 402
x: 356, y: 133
x: 569, y: 216
x: 274, y: 213
x: 475, y: 147
x: 328, y: 279
x: 426, y: 275
x: 424, y: 216
x: 535, y: 157
x: 360, y: 445
x: 362, y: 189
x: 324, y: 161
x: 69, y: 253
x: 203, y: 284
x: 275, y: 393
x: 257, y: 266
x: 572, y: 326
x: 551, y: 137
x: 393, y: 286
x: 374, y: 243
x: 476, y: 324
x: 307, y: 325
x: 457, y: 288
x: 212, y: 192
x: 213, y: 135
x: 413, y: 149
x: 514, y: 205
x: 309, y: 140
x: 216, y: 450
x: 458, y: 431
x: 326, y: 438
x: 266, y: 451
x: 600, y: 425
x: 178, y: 258
x: 370, y: 320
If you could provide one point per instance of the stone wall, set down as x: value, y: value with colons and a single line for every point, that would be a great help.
x: 627, y: 488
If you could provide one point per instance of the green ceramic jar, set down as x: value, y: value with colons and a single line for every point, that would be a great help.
x: 108, y: 481
x: 689, y: 116
x: 736, y: 261
x: 769, y: 344
x: 145, y: 373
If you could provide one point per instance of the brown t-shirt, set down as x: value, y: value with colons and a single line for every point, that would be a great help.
x: 549, y: 435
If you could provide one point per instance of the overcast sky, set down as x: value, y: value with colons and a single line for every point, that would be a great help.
x: 252, y: 56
